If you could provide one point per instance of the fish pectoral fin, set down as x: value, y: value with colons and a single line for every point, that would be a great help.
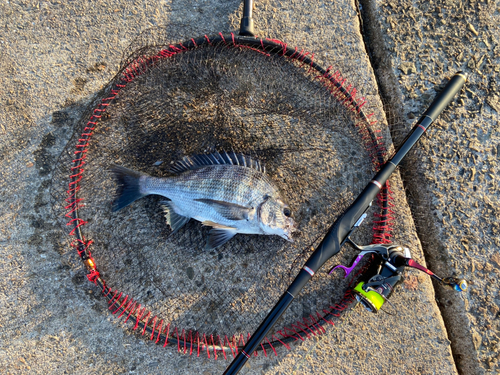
x: 175, y: 220
x: 219, y: 236
x: 230, y: 211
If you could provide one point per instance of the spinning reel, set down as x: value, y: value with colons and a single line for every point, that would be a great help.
x: 390, y: 265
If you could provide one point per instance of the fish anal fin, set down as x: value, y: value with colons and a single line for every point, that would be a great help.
x: 218, y: 237
x: 230, y: 211
x: 175, y: 220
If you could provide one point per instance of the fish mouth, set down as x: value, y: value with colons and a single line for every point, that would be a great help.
x: 289, y: 235
x: 290, y: 229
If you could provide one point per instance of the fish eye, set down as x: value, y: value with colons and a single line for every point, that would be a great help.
x: 287, y: 212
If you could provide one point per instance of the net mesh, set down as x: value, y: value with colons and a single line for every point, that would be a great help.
x: 256, y: 97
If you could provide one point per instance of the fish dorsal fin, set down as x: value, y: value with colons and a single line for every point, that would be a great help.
x: 216, y: 158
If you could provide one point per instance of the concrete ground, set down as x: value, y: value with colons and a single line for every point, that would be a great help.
x: 55, y: 56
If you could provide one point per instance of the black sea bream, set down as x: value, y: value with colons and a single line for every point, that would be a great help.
x: 227, y: 191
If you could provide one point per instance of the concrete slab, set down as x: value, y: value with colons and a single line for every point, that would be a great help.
x: 57, y: 55
x: 454, y: 190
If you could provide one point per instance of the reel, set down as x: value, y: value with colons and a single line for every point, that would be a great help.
x: 392, y: 261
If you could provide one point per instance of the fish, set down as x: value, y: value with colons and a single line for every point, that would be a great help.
x: 229, y: 192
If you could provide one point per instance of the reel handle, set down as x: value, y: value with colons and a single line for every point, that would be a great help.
x: 460, y: 285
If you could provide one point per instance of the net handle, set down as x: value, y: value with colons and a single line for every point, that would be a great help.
x: 246, y: 25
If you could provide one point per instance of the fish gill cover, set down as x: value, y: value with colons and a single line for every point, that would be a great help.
x: 256, y: 97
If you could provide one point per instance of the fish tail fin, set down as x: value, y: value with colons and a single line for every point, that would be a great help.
x: 129, y: 189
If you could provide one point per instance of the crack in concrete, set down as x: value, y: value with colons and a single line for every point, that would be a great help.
x: 450, y: 303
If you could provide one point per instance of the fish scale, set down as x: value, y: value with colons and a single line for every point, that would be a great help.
x: 233, y: 184
x: 229, y: 192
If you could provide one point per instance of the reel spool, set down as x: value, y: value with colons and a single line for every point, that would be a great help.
x: 380, y: 287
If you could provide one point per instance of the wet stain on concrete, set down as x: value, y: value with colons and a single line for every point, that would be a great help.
x: 97, y: 67
x: 79, y: 85
x: 60, y: 118
x: 44, y: 159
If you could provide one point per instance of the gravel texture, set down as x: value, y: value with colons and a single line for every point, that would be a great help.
x: 56, y: 56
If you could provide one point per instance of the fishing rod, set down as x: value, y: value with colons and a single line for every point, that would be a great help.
x: 352, y: 218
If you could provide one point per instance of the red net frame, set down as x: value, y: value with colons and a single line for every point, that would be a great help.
x: 143, y: 320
